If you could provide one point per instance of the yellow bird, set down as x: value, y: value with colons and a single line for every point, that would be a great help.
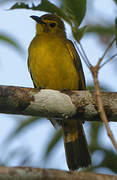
x: 55, y: 64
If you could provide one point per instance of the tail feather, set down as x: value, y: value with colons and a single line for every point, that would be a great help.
x: 77, y: 153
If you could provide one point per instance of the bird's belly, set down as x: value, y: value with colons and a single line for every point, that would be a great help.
x: 53, y: 69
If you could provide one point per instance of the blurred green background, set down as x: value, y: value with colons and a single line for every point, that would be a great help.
x: 32, y: 141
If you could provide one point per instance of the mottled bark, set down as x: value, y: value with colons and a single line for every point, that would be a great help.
x: 28, y: 173
x: 50, y: 103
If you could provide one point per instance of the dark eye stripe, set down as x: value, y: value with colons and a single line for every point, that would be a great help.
x: 52, y: 24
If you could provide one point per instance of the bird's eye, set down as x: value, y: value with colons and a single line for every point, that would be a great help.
x: 52, y: 24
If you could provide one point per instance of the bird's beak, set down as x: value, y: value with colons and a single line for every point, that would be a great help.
x: 37, y: 19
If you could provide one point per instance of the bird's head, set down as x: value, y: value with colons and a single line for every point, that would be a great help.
x: 49, y: 23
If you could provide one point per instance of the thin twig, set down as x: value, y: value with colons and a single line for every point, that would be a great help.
x: 95, y: 70
x: 105, y: 52
x: 100, y: 105
x: 108, y: 60
x: 87, y: 62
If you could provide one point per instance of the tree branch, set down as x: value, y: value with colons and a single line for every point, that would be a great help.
x: 24, y: 173
x: 101, y: 110
x: 51, y: 103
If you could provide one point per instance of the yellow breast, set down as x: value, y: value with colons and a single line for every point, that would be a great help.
x: 51, y: 64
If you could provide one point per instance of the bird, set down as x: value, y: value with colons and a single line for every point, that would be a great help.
x: 54, y: 63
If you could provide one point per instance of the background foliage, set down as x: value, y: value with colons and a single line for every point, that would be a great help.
x: 72, y: 12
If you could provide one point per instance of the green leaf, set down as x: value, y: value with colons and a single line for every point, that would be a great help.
x: 94, y: 131
x: 46, y: 6
x: 20, y: 6
x: 78, y: 32
x: 53, y: 142
x: 11, y: 41
x: 24, y: 124
x: 109, y: 30
x: 115, y: 1
x: 110, y: 160
x: 116, y: 30
x: 76, y: 10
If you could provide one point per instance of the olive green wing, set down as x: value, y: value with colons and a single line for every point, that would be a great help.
x: 77, y: 63
x: 77, y: 153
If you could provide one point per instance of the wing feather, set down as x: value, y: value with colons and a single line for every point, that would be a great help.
x: 77, y: 63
